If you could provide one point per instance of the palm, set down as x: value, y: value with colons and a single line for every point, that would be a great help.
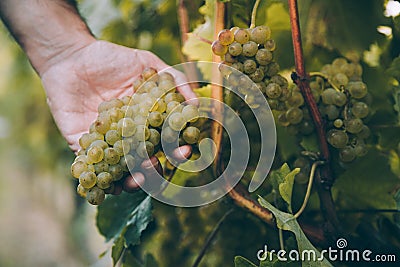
x: 98, y: 72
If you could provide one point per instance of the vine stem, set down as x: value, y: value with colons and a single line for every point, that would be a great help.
x: 254, y: 14
x: 324, y: 177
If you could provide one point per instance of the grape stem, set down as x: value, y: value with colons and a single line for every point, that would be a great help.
x: 320, y: 74
x: 324, y: 176
x: 254, y: 14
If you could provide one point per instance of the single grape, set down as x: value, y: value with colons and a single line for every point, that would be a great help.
x: 228, y: 58
x: 235, y: 49
x: 174, y: 106
x: 107, y: 105
x: 218, y: 48
x: 177, y: 121
x: 191, y: 135
x: 94, y: 154
x: 150, y: 74
x: 328, y: 96
x: 260, y: 34
x: 339, y: 99
x: 168, y: 135
x: 122, y: 147
x: 81, y: 191
x: 296, y: 100
x: 95, y: 196
x: 154, y: 137
x: 85, y: 140
x: 77, y: 168
x: 279, y: 79
x: 263, y: 56
x: 115, y: 114
x: 104, y: 180
x: 238, y: 66
x: 226, y: 37
x: 161, y: 106
x: 82, y: 158
x: 190, y: 113
x: 116, y: 171
x: 101, y: 166
x: 87, y: 179
x: 364, y: 133
x: 347, y: 154
x: 360, y: 110
x: 242, y: 36
x: 283, y: 120
x: 332, y: 112
x: 273, y: 91
x: 357, y: 89
x: 142, y: 133
x: 306, y: 127
x: 155, y: 119
x: 167, y: 85
x: 249, y: 66
x: 338, y: 62
x: 270, y: 45
x: 257, y: 76
x: 340, y: 79
x: 145, y: 149
x: 250, y: 49
x: 111, y: 156
x: 337, y: 138
x: 273, y: 69
x: 127, y: 162
x: 360, y: 149
x: 99, y: 143
x: 338, y: 123
x: 112, y: 136
x: 294, y: 115
x: 102, y: 123
x: 353, y: 125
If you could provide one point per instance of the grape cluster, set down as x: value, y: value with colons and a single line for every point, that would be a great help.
x: 130, y: 129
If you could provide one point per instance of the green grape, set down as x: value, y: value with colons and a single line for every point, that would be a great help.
x: 138, y: 120
x: 94, y: 154
x: 296, y: 100
x: 126, y: 127
x: 104, y: 180
x: 226, y: 37
x: 113, y: 126
x: 249, y: 66
x: 191, y: 135
x: 260, y: 34
x: 122, y: 147
x: 364, y: 133
x: 353, y: 125
x: 294, y: 115
x: 279, y: 79
x: 173, y: 97
x: 77, y: 168
x: 176, y: 121
x: 332, y: 112
x: 85, y: 140
x: 82, y: 158
x: 145, y: 149
x: 242, y: 36
x: 168, y: 135
x: 99, y: 143
x: 357, y: 89
x: 142, y: 133
x: 95, y: 196
x: 174, y: 106
x: 81, y: 191
x: 150, y: 73
x: 338, y: 123
x: 263, y: 56
x: 116, y: 171
x: 273, y: 91
x: 339, y: 99
x: 156, y: 92
x: 306, y: 127
x: 102, y: 123
x: 250, y: 49
x: 283, y: 120
x: 273, y: 69
x: 228, y: 58
x: 218, y: 48
x: 107, y: 105
x: 238, y: 66
x: 347, y: 154
x: 101, y: 166
x: 161, y: 106
x: 166, y: 76
x: 360, y: 110
x: 155, y: 119
x: 111, y: 156
x: 225, y: 69
x: 257, y: 76
x: 190, y: 113
x: 270, y: 45
x: 316, y: 95
x: 328, y: 96
x: 273, y: 103
x: 87, y: 179
x: 251, y: 101
x: 260, y: 86
x: 337, y: 138
x: 154, y: 137
x: 146, y: 87
x: 285, y: 94
x: 360, y: 149
x: 127, y: 162
x: 235, y: 49
x: 136, y: 84
x: 167, y: 85
x: 115, y: 114
x: 90, y: 168
x: 112, y: 136
x: 348, y: 69
x: 340, y: 79
x: 338, y: 62
x: 126, y: 100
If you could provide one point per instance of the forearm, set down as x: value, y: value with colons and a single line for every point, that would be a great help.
x: 47, y: 30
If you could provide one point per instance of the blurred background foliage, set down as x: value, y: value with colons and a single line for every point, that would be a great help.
x: 43, y: 223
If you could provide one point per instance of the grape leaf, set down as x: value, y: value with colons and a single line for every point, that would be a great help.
x: 282, y: 181
x: 275, y: 262
x: 242, y: 262
x: 286, y: 221
x: 123, y: 219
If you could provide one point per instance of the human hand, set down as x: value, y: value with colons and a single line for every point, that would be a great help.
x: 77, y: 84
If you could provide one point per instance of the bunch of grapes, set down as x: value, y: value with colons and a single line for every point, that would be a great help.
x: 129, y: 130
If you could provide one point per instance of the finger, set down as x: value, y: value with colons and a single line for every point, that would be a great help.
x: 151, y: 166
x: 182, y: 154
x: 132, y: 183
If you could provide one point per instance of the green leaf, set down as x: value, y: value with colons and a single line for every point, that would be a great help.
x: 123, y: 219
x: 286, y: 221
x: 310, y: 143
x: 275, y: 262
x: 242, y: 262
x: 283, y: 180
x: 394, y: 162
x: 394, y: 69
x: 372, y: 180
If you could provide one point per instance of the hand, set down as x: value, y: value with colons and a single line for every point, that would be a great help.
x: 99, y: 71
